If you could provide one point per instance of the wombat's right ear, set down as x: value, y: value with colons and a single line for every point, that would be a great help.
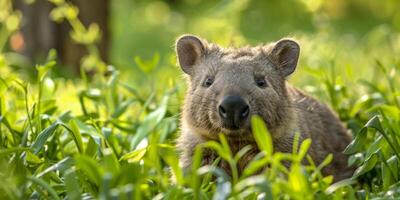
x: 189, y: 50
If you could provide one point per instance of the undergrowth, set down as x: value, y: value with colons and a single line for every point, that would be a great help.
x: 99, y: 137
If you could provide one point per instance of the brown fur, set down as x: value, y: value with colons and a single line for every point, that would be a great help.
x: 284, y: 109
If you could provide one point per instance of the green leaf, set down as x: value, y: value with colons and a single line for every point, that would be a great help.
x: 45, y: 186
x: 4, y: 121
x: 390, y: 172
x: 43, y: 69
x: 121, y: 108
x: 196, y: 163
x: 326, y: 161
x: 376, y: 145
x: 356, y: 159
x: 76, y: 135
x: 33, y: 159
x: 110, y: 161
x: 217, y: 148
x: 305, y: 145
x: 89, y: 130
x: 169, y: 155
x: 149, y: 65
x: 43, y: 136
x: 89, y: 167
x: 340, y: 184
x: 261, y: 135
x: 259, y: 181
x: 150, y: 122
x: 368, y: 165
x: 358, y: 142
x: 61, y: 165
x: 297, y: 180
x: 48, y: 89
x: 6, y: 152
x: 375, y: 123
x: 134, y: 156
x: 225, y: 145
x: 91, y: 147
x: 72, y: 185
x: 215, y: 171
x: 255, y: 165
x: 242, y: 152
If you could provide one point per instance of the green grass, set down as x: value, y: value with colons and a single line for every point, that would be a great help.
x: 102, y: 137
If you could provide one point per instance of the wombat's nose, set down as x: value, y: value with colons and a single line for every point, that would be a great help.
x: 233, y: 110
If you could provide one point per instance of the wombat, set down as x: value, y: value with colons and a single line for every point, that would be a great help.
x: 226, y: 86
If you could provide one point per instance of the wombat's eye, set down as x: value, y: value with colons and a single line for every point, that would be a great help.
x: 261, y: 82
x: 208, y: 82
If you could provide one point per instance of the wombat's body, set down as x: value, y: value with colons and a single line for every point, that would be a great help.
x: 228, y: 86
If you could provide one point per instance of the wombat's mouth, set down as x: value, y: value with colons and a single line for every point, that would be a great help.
x: 239, y: 134
x: 235, y: 130
x: 231, y: 127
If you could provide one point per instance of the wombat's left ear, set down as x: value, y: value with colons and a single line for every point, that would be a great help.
x: 189, y: 50
x: 286, y: 53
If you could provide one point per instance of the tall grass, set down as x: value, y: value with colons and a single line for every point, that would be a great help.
x: 99, y: 137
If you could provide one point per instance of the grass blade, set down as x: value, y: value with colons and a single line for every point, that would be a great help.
x: 261, y: 135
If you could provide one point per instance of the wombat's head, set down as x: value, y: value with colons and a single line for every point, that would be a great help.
x: 228, y: 86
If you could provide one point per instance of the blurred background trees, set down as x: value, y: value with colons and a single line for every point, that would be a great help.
x: 40, y: 33
x: 134, y: 32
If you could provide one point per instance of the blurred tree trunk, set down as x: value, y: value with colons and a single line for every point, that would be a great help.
x: 41, y: 34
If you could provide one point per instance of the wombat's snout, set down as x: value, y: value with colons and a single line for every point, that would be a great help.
x: 233, y: 111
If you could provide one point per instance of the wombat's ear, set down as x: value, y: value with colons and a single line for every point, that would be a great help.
x: 286, y: 53
x: 189, y: 50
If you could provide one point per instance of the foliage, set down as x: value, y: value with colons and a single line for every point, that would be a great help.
x: 100, y: 137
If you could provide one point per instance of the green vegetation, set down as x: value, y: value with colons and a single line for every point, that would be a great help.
x: 110, y: 135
